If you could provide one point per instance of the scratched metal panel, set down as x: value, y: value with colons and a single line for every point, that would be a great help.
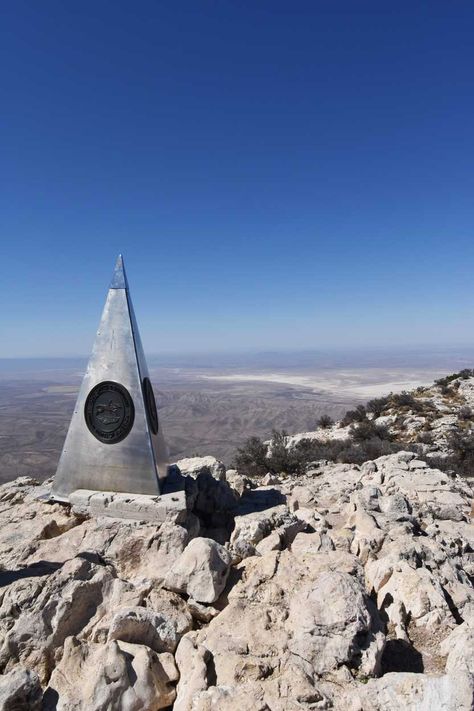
x: 135, y: 463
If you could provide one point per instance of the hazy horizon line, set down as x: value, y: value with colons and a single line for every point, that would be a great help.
x: 262, y: 351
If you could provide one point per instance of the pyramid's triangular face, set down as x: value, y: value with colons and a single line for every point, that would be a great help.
x: 115, y: 441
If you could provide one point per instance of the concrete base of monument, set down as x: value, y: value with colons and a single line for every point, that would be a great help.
x: 157, y: 509
x: 176, y: 501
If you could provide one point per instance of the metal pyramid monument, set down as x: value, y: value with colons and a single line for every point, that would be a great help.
x: 115, y: 441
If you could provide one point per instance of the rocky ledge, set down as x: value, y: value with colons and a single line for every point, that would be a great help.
x: 349, y: 588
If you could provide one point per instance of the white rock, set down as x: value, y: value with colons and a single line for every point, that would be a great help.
x: 252, y: 528
x: 325, y: 634
x: 115, y: 675
x: 201, y: 570
x: 418, y: 464
x: 203, y: 613
x: 192, y: 466
x: 146, y: 552
x: 459, y: 648
x: 172, y: 607
x: 192, y: 659
x: 20, y: 690
x: 236, y: 481
x: 139, y: 625
x: 385, y: 420
x: 270, y: 543
x: 412, y: 692
x: 418, y: 593
x: 305, y: 543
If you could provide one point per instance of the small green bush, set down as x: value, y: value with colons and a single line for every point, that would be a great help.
x: 325, y: 421
x: 378, y: 405
x: 405, y: 399
x: 367, y: 430
x: 462, y: 453
x: 446, y: 390
x: 357, y: 415
x: 251, y: 458
x: 462, y: 375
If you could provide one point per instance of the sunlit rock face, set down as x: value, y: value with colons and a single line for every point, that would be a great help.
x: 348, y: 587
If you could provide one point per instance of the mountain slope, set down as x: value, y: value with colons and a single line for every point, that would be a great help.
x: 344, y: 586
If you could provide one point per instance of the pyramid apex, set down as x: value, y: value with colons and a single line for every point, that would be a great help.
x: 119, y: 278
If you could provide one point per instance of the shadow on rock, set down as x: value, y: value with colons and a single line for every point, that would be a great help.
x: 400, y: 656
x: 42, y: 567
x: 260, y: 500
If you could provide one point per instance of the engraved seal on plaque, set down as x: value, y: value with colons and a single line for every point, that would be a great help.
x: 150, y: 404
x: 109, y: 412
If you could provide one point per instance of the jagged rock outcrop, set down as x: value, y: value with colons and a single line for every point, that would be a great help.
x: 114, y: 675
x: 20, y: 690
x: 193, y: 466
x: 349, y: 587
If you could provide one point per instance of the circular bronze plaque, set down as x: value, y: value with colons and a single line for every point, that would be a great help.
x: 109, y: 412
x: 150, y: 404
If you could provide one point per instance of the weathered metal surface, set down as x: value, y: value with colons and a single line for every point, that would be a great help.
x: 119, y: 278
x: 110, y: 445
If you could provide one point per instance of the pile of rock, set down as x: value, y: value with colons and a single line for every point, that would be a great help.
x: 349, y: 588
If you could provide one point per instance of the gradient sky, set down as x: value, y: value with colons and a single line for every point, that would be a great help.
x: 276, y: 174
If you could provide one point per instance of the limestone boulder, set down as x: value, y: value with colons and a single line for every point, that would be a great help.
x: 367, y: 535
x: 26, y: 523
x: 279, y: 631
x: 412, y: 692
x: 416, y: 593
x: 73, y: 600
x: 192, y: 660
x: 61, y: 608
x: 201, y: 571
x: 236, y: 481
x: 459, y: 648
x: 172, y: 606
x: 146, y: 552
x: 251, y: 528
x: 256, y: 696
x: 115, y: 675
x: 20, y: 690
x: 139, y: 625
x: 193, y: 466
x: 305, y: 543
x: 328, y: 635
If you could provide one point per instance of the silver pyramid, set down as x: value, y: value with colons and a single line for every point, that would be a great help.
x: 114, y: 441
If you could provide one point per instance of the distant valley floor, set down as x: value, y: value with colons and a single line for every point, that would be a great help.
x: 201, y: 411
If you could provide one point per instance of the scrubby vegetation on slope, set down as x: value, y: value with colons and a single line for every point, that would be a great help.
x: 436, y: 421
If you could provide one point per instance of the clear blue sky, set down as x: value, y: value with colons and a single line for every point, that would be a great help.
x: 275, y: 173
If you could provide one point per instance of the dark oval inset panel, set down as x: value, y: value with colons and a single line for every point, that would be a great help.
x: 109, y: 412
x: 150, y: 404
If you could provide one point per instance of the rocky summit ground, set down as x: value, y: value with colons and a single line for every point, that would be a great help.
x: 347, y: 586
